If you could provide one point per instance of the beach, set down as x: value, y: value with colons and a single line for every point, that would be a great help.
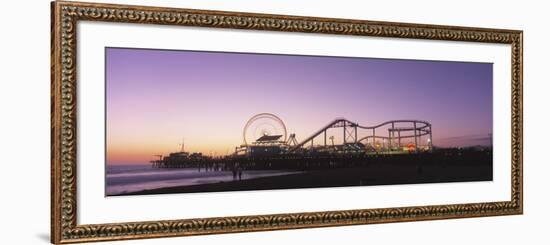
x: 373, y: 174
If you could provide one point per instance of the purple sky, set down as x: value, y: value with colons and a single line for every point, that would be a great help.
x: 157, y: 97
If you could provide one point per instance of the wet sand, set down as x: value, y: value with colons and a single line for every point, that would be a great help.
x: 373, y: 174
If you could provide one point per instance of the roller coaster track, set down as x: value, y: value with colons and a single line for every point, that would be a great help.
x: 332, y: 124
x: 420, y: 128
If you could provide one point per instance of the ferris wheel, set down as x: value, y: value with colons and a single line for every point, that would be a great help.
x: 263, y: 124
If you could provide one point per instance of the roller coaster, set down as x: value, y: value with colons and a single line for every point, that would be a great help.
x: 267, y: 135
x: 267, y: 145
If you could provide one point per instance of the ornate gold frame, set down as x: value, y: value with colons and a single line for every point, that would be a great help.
x: 65, y: 15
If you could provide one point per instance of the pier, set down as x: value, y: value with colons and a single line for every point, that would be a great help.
x: 318, y: 162
x: 270, y: 147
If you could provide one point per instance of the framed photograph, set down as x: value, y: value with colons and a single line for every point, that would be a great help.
x: 175, y: 122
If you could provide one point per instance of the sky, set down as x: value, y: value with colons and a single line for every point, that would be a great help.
x: 155, y: 99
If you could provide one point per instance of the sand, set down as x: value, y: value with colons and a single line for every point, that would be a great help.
x: 374, y: 174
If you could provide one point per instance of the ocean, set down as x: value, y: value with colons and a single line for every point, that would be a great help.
x: 131, y: 178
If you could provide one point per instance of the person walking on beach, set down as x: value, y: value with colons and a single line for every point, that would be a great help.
x: 240, y: 173
x: 234, y: 170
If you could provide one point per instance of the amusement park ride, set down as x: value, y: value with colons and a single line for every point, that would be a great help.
x: 268, y: 136
x: 265, y: 136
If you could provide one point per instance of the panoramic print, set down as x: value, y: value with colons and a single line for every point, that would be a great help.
x: 198, y: 121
